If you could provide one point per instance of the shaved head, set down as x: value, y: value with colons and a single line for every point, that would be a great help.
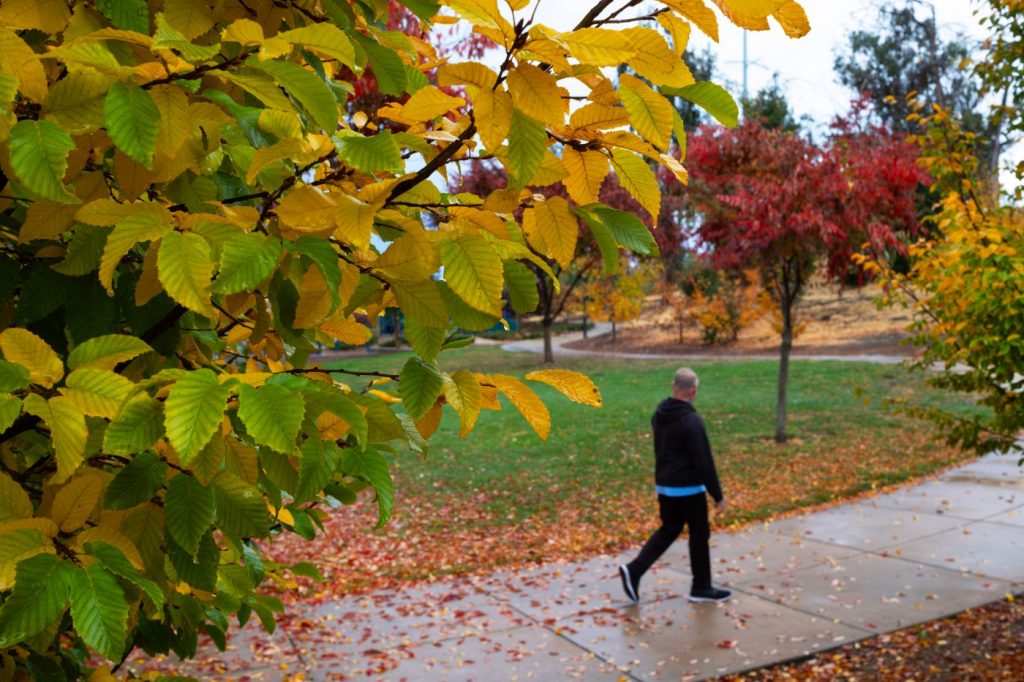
x: 685, y: 381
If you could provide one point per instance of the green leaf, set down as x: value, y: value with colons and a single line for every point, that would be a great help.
x: 10, y: 408
x: 38, y: 599
x: 308, y: 570
x: 117, y: 563
x: 371, y: 153
x: 712, y: 98
x: 527, y: 142
x: 140, y: 227
x: 388, y: 67
x: 306, y: 87
x: 185, y: 268
x: 522, y: 287
x: 426, y: 341
x: 473, y: 270
x: 327, y: 398
x: 99, y: 610
x: 132, y: 120
x: 628, y: 230
x: 84, y: 251
x: 198, y: 569
x: 371, y: 467
x: 272, y: 415
x: 326, y: 258
x: 13, y: 377
x: 421, y: 301
x: 319, y: 461
x: 419, y: 385
x: 137, y: 482
x: 139, y: 425
x: 190, y: 511
x: 106, y: 352
x: 462, y: 315
x: 323, y: 38
x: 39, y: 153
x: 605, y: 240
x: 193, y: 411
x: 241, y: 509
x: 132, y: 15
x: 245, y: 261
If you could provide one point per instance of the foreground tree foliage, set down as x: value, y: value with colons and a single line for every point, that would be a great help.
x: 190, y: 201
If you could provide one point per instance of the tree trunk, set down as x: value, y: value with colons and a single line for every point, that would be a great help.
x: 680, y: 331
x: 784, y: 350
x: 549, y: 356
x: 613, y: 332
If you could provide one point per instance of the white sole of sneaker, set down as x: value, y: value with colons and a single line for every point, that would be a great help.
x: 708, y: 599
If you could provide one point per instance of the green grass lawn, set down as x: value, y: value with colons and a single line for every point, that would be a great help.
x: 840, y: 445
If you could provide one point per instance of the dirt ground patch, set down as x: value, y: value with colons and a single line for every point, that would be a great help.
x: 834, y: 321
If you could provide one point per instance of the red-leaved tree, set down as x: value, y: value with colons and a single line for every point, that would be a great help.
x: 772, y: 200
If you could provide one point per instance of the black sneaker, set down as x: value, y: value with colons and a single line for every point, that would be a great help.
x: 712, y: 594
x: 628, y: 584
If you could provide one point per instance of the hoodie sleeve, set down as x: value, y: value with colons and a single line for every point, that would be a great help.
x: 700, y: 446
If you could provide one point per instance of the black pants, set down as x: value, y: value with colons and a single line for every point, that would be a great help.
x: 676, y: 512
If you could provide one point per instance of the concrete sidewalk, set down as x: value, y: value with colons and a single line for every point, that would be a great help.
x: 800, y: 585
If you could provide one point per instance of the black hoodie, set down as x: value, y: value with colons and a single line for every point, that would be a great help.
x: 682, y: 453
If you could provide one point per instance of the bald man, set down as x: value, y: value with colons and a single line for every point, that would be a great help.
x: 684, y: 474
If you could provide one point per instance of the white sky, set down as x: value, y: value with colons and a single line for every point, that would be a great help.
x: 804, y: 65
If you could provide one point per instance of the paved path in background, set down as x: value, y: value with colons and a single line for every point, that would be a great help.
x: 559, y: 349
x: 801, y: 585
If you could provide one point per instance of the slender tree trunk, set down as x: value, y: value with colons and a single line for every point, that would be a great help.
x: 784, y: 351
x: 680, y: 331
x: 613, y: 331
x: 549, y: 356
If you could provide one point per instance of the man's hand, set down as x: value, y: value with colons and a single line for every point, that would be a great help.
x: 720, y: 506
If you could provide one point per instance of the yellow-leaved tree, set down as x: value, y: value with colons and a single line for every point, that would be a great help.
x: 189, y: 201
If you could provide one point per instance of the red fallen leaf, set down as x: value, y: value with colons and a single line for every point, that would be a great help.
x: 727, y: 644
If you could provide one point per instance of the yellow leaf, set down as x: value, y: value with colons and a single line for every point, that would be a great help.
x: 549, y: 172
x: 596, y: 46
x: 602, y: 90
x: 244, y: 31
x: 175, y: 122
x: 526, y: 401
x: 67, y: 430
x: 43, y: 524
x: 76, y: 501
x: 586, y: 172
x: 649, y: 112
x: 493, y: 109
x: 305, y: 210
x: 185, y: 269
x: 191, y: 18
x: 699, y: 13
x: 749, y: 14
x: 283, y: 150
x: 97, y: 392
x: 428, y: 103
x: 49, y: 16
x: 409, y: 258
x: 484, y: 220
x: 283, y: 124
x: 598, y: 117
x: 18, y: 60
x: 547, y: 51
x: 466, y: 73
x: 331, y: 426
x: 324, y: 38
x: 148, y: 284
x: 637, y: 177
x: 24, y: 348
x: 140, y: 227
x: 536, y: 94
x: 112, y: 536
x: 504, y: 200
x: 655, y: 61
x: 347, y: 330
x: 354, y: 220
x: 678, y: 29
x: 620, y: 138
x: 314, y: 300
x: 793, y: 19
x: 573, y: 385
x: 46, y: 219
x: 462, y: 392
x: 483, y: 12
x: 428, y: 423
x: 107, y: 212
x: 29, y: 543
x: 14, y: 501
x: 552, y: 229
x: 75, y: 102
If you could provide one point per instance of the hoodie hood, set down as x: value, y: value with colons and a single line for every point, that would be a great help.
x: 671, y: 409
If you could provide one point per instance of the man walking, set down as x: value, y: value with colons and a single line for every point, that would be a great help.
x: 684, y: 472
